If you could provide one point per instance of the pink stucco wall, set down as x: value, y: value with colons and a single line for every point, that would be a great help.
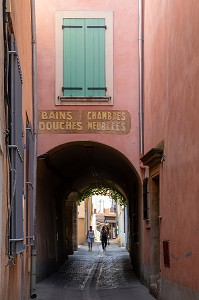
x: 23, y: 35
x: 125, y: 71
x: 171, y: 115
x: 12, y: 279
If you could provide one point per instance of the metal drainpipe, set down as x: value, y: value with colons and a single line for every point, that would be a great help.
x: 34, y: 100
x: 140, y: 49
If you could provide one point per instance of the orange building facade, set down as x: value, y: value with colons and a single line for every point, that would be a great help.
x: 171, y: 128
x: 17, y: 150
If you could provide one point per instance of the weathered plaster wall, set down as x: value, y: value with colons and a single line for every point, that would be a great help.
x: 125, y: 71
x: 23, y: 35
x: 171, y: 89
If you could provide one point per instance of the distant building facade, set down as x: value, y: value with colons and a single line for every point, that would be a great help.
x: 84, y: 219
x: 104, y: 214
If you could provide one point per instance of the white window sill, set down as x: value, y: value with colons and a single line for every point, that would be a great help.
x: 64, y: 100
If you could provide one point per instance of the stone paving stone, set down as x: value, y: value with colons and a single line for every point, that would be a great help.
x: 90, y: 275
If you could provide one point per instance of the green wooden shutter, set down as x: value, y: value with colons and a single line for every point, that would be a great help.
x: 95, y: 57
x: 84, y: 57
x: 74, y: 58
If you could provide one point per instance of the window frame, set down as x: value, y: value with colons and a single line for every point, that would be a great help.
x: 145, y: 199
x: 59, y: 98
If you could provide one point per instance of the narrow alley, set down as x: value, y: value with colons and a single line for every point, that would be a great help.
x: 94, y: 275
x: 99, y: 99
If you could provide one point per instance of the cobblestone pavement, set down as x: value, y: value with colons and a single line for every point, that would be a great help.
x: 95, y: 275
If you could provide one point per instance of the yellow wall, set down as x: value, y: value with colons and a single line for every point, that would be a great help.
x: 81, y: 223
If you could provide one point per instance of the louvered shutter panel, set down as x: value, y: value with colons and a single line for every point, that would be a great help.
x: 74, y: 57
x: 95, y: 57
x: 16, y: 153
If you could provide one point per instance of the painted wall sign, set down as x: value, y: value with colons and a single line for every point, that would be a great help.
x: 84, y: 121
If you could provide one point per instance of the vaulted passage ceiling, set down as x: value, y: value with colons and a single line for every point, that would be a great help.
x: 81, y: 165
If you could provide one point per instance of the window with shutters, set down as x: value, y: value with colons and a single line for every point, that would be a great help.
x: 84, y: 58
x: 145, y: 199
x: 15, y: 215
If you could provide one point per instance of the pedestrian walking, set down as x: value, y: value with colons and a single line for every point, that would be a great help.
x: 103, y: 238
x: 108, y: 235
x: 90, y: 238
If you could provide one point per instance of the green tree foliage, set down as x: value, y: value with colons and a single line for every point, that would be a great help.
x: 104, y: 191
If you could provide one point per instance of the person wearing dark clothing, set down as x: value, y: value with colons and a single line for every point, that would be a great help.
x: 103, y: 238
x: 108, y: 235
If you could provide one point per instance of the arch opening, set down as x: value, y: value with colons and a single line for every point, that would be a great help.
x: 66, y: 174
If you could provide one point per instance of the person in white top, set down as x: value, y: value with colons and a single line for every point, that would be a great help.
x: 90, y: 238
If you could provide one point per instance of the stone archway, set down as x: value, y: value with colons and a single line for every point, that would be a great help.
x: 63, y: 173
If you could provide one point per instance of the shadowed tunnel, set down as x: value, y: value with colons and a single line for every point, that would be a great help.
x: 64, y: 173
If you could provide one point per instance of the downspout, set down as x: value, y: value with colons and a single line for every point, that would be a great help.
x: 140, y: 52
x: 34, y: 100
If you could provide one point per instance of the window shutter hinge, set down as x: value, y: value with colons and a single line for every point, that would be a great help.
x: 71, y: 88
x: 97, y: 88
x: 89, y: 26
x: 67, y: 26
